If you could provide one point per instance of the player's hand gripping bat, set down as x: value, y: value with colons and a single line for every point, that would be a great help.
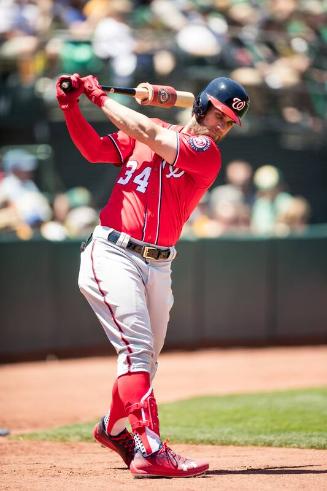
x: 147, y: 94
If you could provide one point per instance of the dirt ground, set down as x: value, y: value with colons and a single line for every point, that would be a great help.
x: 46, y: 394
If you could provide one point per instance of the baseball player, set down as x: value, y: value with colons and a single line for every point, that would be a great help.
x: 125, y: 272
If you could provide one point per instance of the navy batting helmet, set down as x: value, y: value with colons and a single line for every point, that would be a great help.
x: 226, y: 95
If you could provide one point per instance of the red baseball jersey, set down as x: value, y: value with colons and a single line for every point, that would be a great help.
x: 151, y: 200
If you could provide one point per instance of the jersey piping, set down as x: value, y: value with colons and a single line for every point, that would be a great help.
x: 177, y: 148
x: 117, y: 148
x: 145, y: 223
x: 162, y: 164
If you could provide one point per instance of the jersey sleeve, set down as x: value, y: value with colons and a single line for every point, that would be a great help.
x: 111, y: 149
x: 123, y: 145
x: 198, y: 155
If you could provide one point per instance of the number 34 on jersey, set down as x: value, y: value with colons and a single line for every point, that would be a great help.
x: 142, y: 179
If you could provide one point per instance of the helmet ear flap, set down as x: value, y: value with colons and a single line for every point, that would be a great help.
x: 200, y: 107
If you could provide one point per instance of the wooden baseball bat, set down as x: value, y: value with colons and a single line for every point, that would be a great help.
x: 147, y: 94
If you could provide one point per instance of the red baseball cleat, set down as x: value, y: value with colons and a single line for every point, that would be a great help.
x: 123, y: 444
x: 165, y: 463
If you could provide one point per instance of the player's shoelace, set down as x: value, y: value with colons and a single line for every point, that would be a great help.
x: 171, y: 456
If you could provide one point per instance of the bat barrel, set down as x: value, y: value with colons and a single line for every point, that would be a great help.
x: 184, y: 99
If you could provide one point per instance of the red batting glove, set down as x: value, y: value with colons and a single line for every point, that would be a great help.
x: 67, y: 100
x: 93, y: 90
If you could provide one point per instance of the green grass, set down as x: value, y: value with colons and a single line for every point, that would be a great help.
x: 294, y: 418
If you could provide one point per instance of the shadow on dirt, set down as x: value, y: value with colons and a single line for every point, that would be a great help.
x: 299, y: 469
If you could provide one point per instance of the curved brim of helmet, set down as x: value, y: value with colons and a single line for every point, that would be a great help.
x: 224, y: 109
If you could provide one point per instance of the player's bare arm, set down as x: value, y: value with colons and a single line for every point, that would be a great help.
x: 162, y: 141
x: 136, y: 125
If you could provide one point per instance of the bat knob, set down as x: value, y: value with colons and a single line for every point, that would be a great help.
x: 66, y: 85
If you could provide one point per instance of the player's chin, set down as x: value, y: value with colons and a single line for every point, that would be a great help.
x: 202, y: 130
x: 216, y: 137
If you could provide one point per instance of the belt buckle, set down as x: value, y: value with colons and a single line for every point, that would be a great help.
x: 146, y: 251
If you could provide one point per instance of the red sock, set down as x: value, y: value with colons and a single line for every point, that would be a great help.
x: 117, y: 412
x: 137, y: 396
x: 133, y: 386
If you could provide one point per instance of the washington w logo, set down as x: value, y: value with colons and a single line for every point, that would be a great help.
x: 238, y: 104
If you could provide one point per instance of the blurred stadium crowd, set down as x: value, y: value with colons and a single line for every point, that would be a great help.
x: 246, y: 203
x: 276, y: 48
